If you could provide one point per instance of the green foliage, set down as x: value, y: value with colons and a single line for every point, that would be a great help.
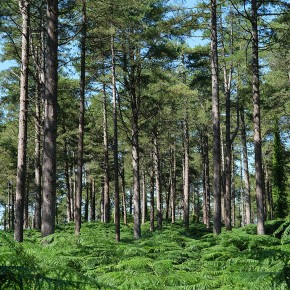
x: 172, y: 259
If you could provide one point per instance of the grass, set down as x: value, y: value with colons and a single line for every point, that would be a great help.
x: 173, y: 258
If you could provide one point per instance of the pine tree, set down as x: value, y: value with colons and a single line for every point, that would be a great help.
x: 50, y: 121
x: 24, y: 7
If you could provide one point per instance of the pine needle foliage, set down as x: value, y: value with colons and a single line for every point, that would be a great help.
x: 170, y: 259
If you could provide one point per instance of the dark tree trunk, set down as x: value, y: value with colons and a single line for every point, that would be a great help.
x: 68, y: 185
x: 26, y: 208
x: 173, y: 186
x: 79, y: 174
x: 257, y: 121
x: 107, y: 207
x: 215, y: 122
x: 124, y: 203
x: 93, y: 201
x: 86, y: 217
x: 50, y: 121
x: 37, y: 160
x: 24, y: 7
x: 206, y: 185
x: 116, y: 149
x: 144, y: 198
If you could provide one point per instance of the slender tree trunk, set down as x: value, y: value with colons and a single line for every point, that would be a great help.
x: 13, y: 197
x: 79, y: 174
x: 157, y: 180
x: 144, y: 198
x: 93, y: 201
x: 50, y: 121
x: 26, y: 209
x: 124, y: 196
x: 9, y: 205
x: 86, y: 217
x: 136, y: 181
x: 256, y: 120
x: 107, y: 207
x: 206, y: 185
x: 173, y: 187
x: 24, y: 7
x: 68, y: 185
x: 228, y: 157
x: 216, y: 122
x: 37, y: 156
x: 102, y: 211
x: 131, y: 202
x: 116, y: 151
x: 246, y: 169
x: 186, y: 173
x: 152, y: 214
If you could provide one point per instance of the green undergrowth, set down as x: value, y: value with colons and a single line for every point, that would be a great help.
x: 173, y: 258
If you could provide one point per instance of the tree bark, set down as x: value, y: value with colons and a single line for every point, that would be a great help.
x: 124, y: 203
x: 152, y: 214
x: 173, y: 186
x: 93, y: 201
x: 215, y: 122
x: 107, y: 207
x: 50, y: 121
x: 186, y: 173
x: 206, y: 185
x: 116, y: 150
x: 79, y: 173
x: 257, y: 121
x: 144, y: 198
x: 156, y: 160
x: 37, y: 160
x: 24, y: 7
x: 246, y: 168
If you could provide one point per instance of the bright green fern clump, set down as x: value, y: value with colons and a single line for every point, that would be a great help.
x: 171, y: 259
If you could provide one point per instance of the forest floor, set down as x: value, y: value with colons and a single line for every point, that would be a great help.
x: 173, y: 258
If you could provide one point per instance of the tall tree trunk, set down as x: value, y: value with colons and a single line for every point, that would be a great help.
x: 156, y: 161
x: 13, y: 198
x: 107, y: 207
x: 37, y: 156
x: 256, y: 120
x: 93, y: 201
x: 136, y: 177
x: 216, y: 122
x: 50, y: 121
x: 152, y: 185
x: 24, y: 7
x: 246, y: 168
x: 124, y: 203
x: 228, y: 157
x: 79, y: 174
x: 68, y: 185
x: 144, y: 198
x: 268, y: 193
x: 173, y: 186
x: 206, y: 185
x: 86, y: 217
x: 26, y: 206
x: 116, y: 151
x: 186, y: 172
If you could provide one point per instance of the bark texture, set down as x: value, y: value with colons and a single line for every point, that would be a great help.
x: 23, y: 116
x: 50, y: 121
